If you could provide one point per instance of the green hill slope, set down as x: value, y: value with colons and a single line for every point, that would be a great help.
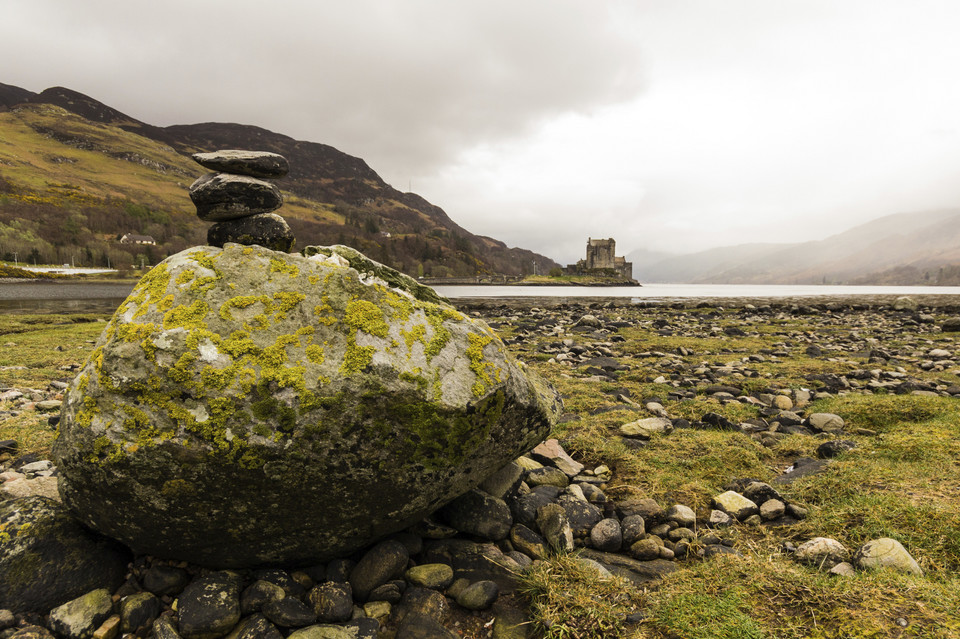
x: 76, y: 175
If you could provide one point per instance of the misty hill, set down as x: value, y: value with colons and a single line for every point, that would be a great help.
x: 904, y: 248
x: 73, y: 161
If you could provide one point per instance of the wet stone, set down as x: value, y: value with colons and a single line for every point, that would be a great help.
x: 259, y: 593
x: 139, y: 611
x: 165, y: 580
x: 259, y: 164
x: 268, y: 230
x: 210, y: 606
x: 224, y: 196
x: 479, y: 595
x: 289, y: 612
x: 380, y: 564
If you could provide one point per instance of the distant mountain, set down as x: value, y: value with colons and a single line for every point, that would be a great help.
x: 75, y: 157
x: 904, y: 248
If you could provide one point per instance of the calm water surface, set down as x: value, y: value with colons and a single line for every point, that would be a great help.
x: 686, y: 291
x: 104, y: 297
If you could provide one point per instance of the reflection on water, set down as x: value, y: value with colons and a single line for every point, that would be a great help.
x: 62, y: 297
x: 25, y: 307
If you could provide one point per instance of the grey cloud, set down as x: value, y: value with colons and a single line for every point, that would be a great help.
x: 406, y: 85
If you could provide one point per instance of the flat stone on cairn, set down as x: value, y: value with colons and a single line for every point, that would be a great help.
x: 220, y: 197
x: 259, y: 164
x: 240, y: 202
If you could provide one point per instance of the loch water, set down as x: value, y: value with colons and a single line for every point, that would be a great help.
x: 104, y: 297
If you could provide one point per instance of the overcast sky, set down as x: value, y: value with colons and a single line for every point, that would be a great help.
x: 672, y: 125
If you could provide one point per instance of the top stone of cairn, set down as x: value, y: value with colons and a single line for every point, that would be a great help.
x: 260, y: 164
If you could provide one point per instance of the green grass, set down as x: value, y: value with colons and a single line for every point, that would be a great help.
x: 901, y: 482
x: 32, y: 341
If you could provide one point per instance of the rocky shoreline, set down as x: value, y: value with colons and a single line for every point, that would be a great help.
x: 454, y: 574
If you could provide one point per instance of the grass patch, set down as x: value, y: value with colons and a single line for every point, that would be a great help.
x: 570, y: 601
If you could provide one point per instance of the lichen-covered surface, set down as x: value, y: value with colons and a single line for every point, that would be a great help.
x: 47, y: 558
x: 247, y: 407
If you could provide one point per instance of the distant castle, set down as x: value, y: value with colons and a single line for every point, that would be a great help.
x: 602, y: 260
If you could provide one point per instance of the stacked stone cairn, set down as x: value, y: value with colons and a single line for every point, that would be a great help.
x: 240, y: 200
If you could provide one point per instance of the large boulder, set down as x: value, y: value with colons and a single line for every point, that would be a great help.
x: 247, y: 407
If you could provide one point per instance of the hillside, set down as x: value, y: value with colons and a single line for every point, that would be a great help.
x: 76, y: 174
x: 903, y: 249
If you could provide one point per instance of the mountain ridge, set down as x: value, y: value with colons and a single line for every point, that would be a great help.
x: 901, y: 248
x: 330, y: 196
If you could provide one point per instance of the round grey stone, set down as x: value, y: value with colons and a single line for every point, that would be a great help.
x: 886, y: 553
x: 607, y: 535
x: 479, y: 595
x: 268, y: 230
x: 380, y: 564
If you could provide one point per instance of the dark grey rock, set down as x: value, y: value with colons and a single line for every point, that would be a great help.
x: 209, y: 607
x: 389, y: 592
x: 828, y: 450
x: 289, y: 612
x: 165, y: 580
x: 951, y: 325
x: 268, y: 230
x: 164, y: 628
x: 385, y: 561
x: 479, y: 595
x: 138, y: 612
x: 581, y: 515
x: 259, y: 593
x: 647, y: 508
x: 256, y: 626
x: 802, y: 467
x: 226, y: 196
x: 528, y: 542
x: 504, y: 482
x: 332, y: 601
x: 758, y: 492
x: 633, y: 528
x: 339, y: 570
x: 363, y: 628
x: 525, y: 507
x: 423, y: 602
x: 260, y: 164
x: 31, y: 632
x: 47, y: 558
x: 479, y: 514
x: 280, y: 578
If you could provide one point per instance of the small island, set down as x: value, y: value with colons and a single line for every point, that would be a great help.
x: 601, y: 267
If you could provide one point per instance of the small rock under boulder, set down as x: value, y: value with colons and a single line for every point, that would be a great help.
x: 48, y: 559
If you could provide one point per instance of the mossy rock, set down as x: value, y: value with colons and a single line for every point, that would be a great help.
x: 247, y: 407
x: 47, y: 558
